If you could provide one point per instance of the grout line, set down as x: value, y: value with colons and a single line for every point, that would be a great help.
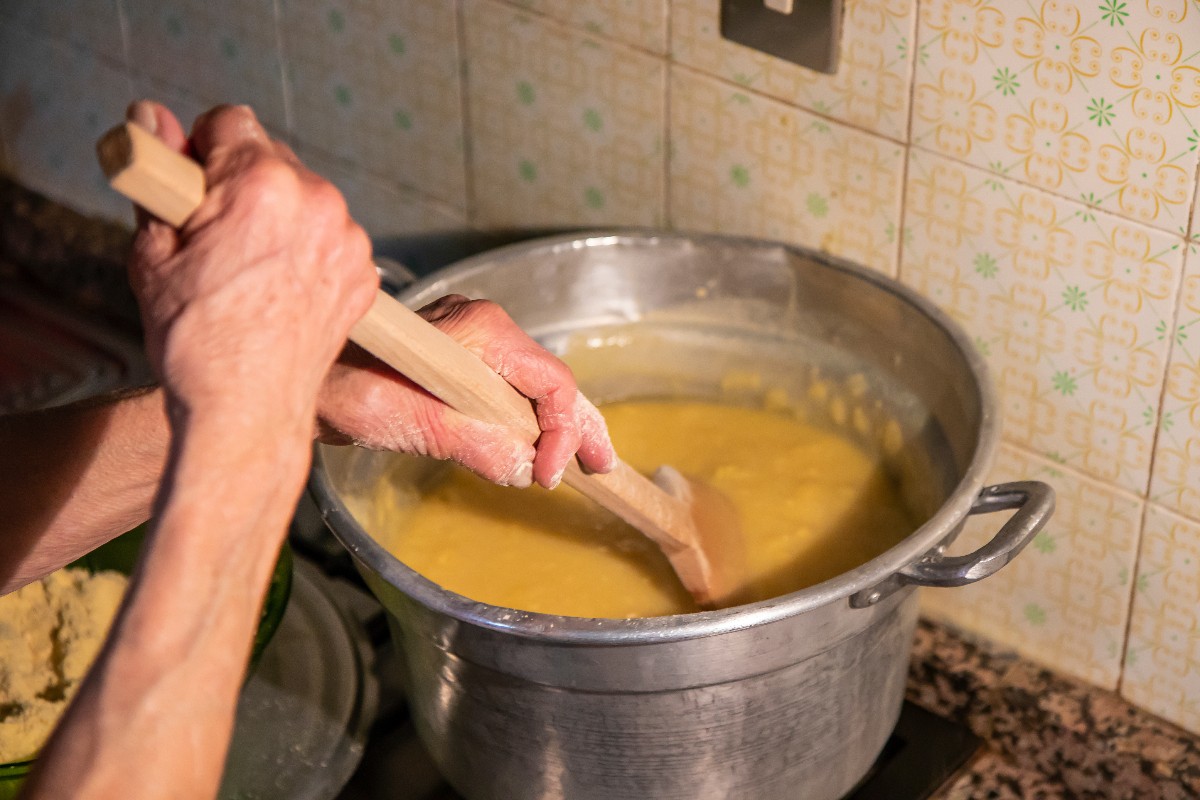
x: 902, y: 217
x: 803, y: 109
x: 901, y: 222
x: 470, y: 203
x: 517, y: 6
x: 1074, y: 472
x: 1132, y: 600
x: 1095, y: 210
x: 126, y: 47
x: 289, y: 118
x: 667, y: 146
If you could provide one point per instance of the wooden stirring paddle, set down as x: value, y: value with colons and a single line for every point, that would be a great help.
x: 694, y: 524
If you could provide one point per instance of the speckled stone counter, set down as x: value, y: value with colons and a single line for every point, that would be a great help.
x: 1046, y: 736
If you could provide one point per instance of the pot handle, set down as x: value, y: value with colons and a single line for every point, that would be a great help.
x: 394, y: 277
x: 1034, y: 502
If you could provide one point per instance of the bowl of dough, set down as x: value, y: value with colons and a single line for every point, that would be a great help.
x: 51, y: 631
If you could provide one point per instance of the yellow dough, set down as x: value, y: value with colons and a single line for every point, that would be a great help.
x: 813, y: 505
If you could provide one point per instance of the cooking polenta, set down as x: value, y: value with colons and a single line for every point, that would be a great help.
x: 813, y: 504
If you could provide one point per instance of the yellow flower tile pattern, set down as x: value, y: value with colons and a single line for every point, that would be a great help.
x: 53, y: 115
x: 870, y: 89
x: 1176, y: 479
x: 1071, y: 306
x: 1162, y: 658
x: 1097, y: 101
x: 641, y: 23
x: 222, y: 51
x: 746, y: 164
x: 566, y: 129
x: 379, y: 83
x: 1064, y: 600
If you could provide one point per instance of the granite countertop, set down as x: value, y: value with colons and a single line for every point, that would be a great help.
x: 1045, y: 736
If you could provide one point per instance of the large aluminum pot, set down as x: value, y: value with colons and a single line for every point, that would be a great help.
x: 792, y: 697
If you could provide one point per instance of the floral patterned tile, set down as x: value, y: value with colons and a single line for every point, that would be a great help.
x: 1071, y: 306
x: 1064, y: 600
x: 52, y: 118
x: 379, y: 83
x: 1176, y: 479
x: 870, y: 89
x: 221, y: 51
x: 641, y: 23
x: 749, y: 165
x: 384, y: 210
x: 1162, y: 657
x: 565, y: 129
x: 1097, y: 101
x: 91, y: 24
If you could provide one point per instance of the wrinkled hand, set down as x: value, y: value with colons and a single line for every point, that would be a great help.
x: 368, y: 404
x: 254, y: 295
x: 274, y: 273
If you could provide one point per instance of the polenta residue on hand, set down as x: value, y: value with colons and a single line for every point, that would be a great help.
x: 813, y: 505
x: 50, y: 633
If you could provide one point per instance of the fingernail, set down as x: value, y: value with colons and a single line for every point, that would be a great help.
x: 557, y: 479
x: 522, y: 476
x: 143, y: 114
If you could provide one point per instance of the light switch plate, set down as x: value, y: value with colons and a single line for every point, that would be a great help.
x: 809, y: 34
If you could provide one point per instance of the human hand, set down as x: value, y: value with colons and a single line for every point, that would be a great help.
x: 362, y: 401
x: 249, y: 302
x: 367, y: 404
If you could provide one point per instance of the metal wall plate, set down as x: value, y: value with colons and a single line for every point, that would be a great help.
x: 809, y: 34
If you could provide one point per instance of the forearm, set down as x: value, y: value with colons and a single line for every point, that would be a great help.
x: 163, y: 692
x: 72, y: 478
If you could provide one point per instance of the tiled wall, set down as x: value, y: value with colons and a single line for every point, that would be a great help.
x: 1030, y: 166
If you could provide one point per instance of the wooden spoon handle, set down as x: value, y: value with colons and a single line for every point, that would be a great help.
x: 171, y: 186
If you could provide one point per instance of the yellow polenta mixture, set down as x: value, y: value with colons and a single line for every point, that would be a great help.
x: 50, y: 633
x: 812, y: 504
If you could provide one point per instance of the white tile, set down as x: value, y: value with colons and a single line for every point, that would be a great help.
x: 91, y: 24
x: 1096, y: 102
x: 52, y: 119
x: 1064, y: 600
x: 378, y: 84
x: 750, y: 165
x: 1070, y: 305
x: 1162, y: 660
x: 220, y: 51
x: 870, y: 89
x: 566, y: 129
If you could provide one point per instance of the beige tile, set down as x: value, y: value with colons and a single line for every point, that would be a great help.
x: 220, y: 51
x: 1094, y: 101
x: 52, y: 118
x: 750, y: 165
x: 92, y: 24
x: 1176, y: 479
x: 1070, y: 305
x: 641, y: 23
x: 384, y: 210
x: 378, y: 83
x: 1162, y: 659
x: 1064, y: 600
x: 870, y: 89
x: 566, y: 129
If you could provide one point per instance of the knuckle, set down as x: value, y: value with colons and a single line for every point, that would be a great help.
x: 267, y: 181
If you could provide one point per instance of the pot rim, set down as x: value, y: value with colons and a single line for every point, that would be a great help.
x: 592, y: 631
